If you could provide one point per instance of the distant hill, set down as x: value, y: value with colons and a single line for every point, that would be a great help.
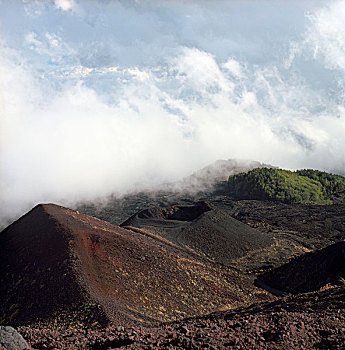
x: 61, y: 268
x: 204, y: 184
x: 303, y: 186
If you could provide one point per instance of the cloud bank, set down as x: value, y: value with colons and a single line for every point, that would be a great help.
x: 121, y: 96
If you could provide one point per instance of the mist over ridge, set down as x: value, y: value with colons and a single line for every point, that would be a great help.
x: 116, y: 96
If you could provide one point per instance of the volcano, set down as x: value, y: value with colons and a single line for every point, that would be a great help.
x: 204, y: 229
x: 67, y: 268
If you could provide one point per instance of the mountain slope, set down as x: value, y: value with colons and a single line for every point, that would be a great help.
x: 309, y: 272
x: 206, y: 230
x: 306, y: 321
x: 61, y: 265
x: 302, y: 186
x: 213, y: 233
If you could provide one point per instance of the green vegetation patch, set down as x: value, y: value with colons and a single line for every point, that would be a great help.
x: 301, y: 186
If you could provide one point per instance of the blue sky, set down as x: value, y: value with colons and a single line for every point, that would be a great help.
x: 129, y: 94
x: 144, y: 32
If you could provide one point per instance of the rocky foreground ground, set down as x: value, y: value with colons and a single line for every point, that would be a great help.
x: 308, y: 321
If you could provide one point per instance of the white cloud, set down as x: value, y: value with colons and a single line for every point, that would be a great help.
x: 324, y: 39
x: 140, y: 75
x: 199, y: 71
x: 234, y: 67
x: 64, y: 4
x: 327, y: 35
x: 141, y: 107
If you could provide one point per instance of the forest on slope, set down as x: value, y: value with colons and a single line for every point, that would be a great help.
x: 301, y: 186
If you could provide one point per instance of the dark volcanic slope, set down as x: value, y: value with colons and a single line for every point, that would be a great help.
x: 59, y: 264
x: 307, y: 321
x: 295, y: 229
x: 207, y: 231
x: 212, y: 232
x: 310, y: 272
x: 316, y: 226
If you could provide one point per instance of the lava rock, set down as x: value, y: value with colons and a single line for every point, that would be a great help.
x: 10, y: 339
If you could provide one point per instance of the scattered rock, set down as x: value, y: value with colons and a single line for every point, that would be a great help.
x: 10, y: 339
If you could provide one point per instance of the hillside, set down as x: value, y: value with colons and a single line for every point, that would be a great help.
x: 310, y: 272
x: 212, y: 232
x: 66, y: 269
x: 204, y: 179
x: 303, y: 186
x: 314, y: 226
x: 180, y: 271
x: 307, y: 321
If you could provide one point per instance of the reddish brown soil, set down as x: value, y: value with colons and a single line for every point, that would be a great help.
x: 308, y: 321
x: 63, y: 268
